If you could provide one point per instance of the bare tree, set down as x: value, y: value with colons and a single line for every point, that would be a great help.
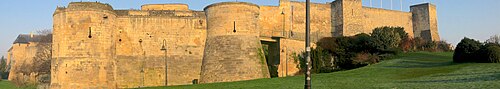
x: 43, y: 55
x: 494, y: 39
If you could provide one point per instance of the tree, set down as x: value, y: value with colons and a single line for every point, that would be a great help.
x: 489, y: 53
x: 43, y: 56
x: 3, y: 68
x: 387, y: 38
x: 466, y: 50
x: 41, y: 61
x: 494, y: 39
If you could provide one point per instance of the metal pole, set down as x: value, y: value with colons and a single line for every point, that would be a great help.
x: 381, y: 4
x: 164, y: 49
x: 371, y: 3
x: 391, y: 5
x: 401, y: 4
x: 308, y: 48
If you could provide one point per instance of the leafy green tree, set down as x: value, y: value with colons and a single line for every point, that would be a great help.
x: 3, y: 68
x: 362, y: 43
x: 387, y: 38
x: 466, y: 50
x: 489, y: 53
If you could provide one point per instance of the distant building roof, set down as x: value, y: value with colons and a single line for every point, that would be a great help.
x: 26, y: 38
x: 10, y: 49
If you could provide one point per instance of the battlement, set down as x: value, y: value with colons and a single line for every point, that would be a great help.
x: 160, y: 13
x: 96, y: 46
x: 230, y: 3
x: 89, y: 5
x: 175, y: 7
x: 84, y: 6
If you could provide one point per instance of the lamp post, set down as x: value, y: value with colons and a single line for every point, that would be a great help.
x: 164, y: 49
x: 307, y: 84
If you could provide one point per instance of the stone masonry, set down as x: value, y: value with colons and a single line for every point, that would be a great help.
x: 96, y: 46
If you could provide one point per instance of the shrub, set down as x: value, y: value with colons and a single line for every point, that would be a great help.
x: 20, y: 81
x: 466, y: 50
x: 386, y: 38
x: 365, y: 59
x: 444, y: 46
x: 322, y: 61
x: 489, y: 53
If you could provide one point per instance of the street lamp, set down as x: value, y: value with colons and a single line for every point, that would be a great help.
x: 308, y: 47
x: 164, y: 49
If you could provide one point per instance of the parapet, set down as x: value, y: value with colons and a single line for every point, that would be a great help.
x: 176, y: 7
x: 423, y: 4
x: 89, y: 6
x: 231, y: 3
x: 86, y: 6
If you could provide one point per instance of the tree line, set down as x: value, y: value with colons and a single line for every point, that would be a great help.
x: 350, y: 52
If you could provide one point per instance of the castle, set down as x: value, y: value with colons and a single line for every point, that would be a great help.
x: 96, y: 46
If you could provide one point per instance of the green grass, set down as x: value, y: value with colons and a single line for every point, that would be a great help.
x: 413, y: 70
x: 4, y: 84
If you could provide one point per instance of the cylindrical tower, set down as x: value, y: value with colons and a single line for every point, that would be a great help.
x: 82, y: 46
x: 233, y: 51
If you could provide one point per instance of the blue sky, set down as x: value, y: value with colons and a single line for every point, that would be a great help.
x: 478, y: 19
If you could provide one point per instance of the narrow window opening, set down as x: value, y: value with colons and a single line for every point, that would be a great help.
x: 90, y: 32
x: 105, y: 17
x: 352, y: 11
x: 234, y: 26
x: 120, y: 40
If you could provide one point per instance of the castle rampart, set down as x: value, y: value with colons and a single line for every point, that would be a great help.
x: 83, y: 46
x: 377, y: 17
x: 174, y: 7
x: 96, y: 46
x: 425, y: 21
x: 233, y: 51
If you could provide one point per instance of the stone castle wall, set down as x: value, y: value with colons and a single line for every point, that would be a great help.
x: 425, y: 21
x: 348, y: 18
x: 233, y: 51
x: 83, y: 47
x: 288, y: 20
x: 376, y: 17
x: 133, y: 43
x: 24, y: 56
x: 220, y: 44
x: 176, y: 7
x: 140, y: 38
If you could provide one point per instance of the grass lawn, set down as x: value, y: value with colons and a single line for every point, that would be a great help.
x: 4, y: 84
x: 412, y: 70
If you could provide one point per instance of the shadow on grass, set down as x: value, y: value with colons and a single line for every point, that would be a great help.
x: 487, y: 76
x: 419, y: 64
x: 423, y: 60
x: 466, y: 74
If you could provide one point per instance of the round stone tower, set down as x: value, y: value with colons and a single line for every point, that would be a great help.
x: 233, y: 49
x: 83, y: 46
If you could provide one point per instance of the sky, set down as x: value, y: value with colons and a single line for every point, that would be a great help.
x: 477, y: 19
